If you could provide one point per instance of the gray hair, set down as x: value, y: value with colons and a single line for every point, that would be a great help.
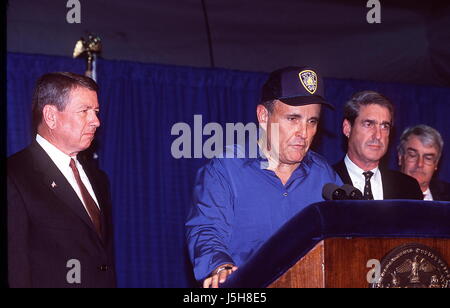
x: 426, y: 134
x: 270, y: 105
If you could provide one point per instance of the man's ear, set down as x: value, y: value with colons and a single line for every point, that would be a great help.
x: 49, y: 116
x: 263, y: 116
x: 346, y: 128
x: 399, y: 159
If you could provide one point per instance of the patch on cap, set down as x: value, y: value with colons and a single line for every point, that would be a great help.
x: 308, y: 79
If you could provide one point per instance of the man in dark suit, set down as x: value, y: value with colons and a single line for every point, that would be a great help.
x: 368, y: 119
x: 59, y: 209
x: 419, y: 152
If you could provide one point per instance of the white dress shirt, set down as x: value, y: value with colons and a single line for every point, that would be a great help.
x: 427, y: 195
x: 62, y: 161
x: 359, y: 181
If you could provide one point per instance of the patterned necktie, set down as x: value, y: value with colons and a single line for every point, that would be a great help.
x: 367, y: 187
x: 91, y: 207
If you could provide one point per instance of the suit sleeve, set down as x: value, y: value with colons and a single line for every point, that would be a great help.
x: 110, y: 222
x: 209, y: 224
x: 416, y: 192
x: 19, y: 272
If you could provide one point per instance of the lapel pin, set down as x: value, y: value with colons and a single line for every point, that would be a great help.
x: 53, y: 184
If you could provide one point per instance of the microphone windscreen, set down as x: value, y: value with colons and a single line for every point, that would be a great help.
x: 328, y: 190
x: 352, y: 192
x: 348, y: 188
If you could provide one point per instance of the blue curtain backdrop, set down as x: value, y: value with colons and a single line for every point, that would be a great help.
x: 151, y: 190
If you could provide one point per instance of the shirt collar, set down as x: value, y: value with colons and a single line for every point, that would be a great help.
x: 356, y: 171
x: 263, y: 162
x: 60, y: 158
x: 427, y: 194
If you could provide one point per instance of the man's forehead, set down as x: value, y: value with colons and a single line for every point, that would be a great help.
x: 80, y: 96
x: 280, y: 106
x: 415, y: 143
x: 374, y: 112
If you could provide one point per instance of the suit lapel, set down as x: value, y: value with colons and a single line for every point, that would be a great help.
x: 387, y: 186
x: 342, y: 171
x: 98, y: 191
x: 57, y: 183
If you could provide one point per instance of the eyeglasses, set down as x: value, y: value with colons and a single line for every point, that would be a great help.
x: 414, y: 156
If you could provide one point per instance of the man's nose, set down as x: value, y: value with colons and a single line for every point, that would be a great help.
x: 377, y: 132
x: 301, y: 130
x: 420, y: 161
x: 94, y: 120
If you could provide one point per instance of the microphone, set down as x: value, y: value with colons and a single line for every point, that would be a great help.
x: 331, y: 191
x: 353, y: 193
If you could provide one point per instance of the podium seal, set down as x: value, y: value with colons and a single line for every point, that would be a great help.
x: 413, y: 266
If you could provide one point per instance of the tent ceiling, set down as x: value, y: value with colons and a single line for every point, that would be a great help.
x: 412, y: 43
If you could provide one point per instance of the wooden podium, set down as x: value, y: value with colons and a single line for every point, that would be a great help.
x: 328, y: 244
x: 341, y: 262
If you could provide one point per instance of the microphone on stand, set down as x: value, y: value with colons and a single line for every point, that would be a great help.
x: 353, y: 193
x: 331, y: 191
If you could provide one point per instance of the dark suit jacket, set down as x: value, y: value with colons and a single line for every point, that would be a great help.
x: 396, y: 185
x: 440, y: 190
x: 49, y: 226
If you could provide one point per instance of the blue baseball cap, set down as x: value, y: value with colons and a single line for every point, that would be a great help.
x: 295, y: 86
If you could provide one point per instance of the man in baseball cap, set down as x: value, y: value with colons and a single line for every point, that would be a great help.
x: 240, y: 202
x: 295, y: 86
x: 291, y: 102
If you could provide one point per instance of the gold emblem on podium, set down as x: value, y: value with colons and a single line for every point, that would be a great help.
x: 413, y: 266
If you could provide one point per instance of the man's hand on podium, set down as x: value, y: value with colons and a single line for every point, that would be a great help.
x: 219, y: 275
